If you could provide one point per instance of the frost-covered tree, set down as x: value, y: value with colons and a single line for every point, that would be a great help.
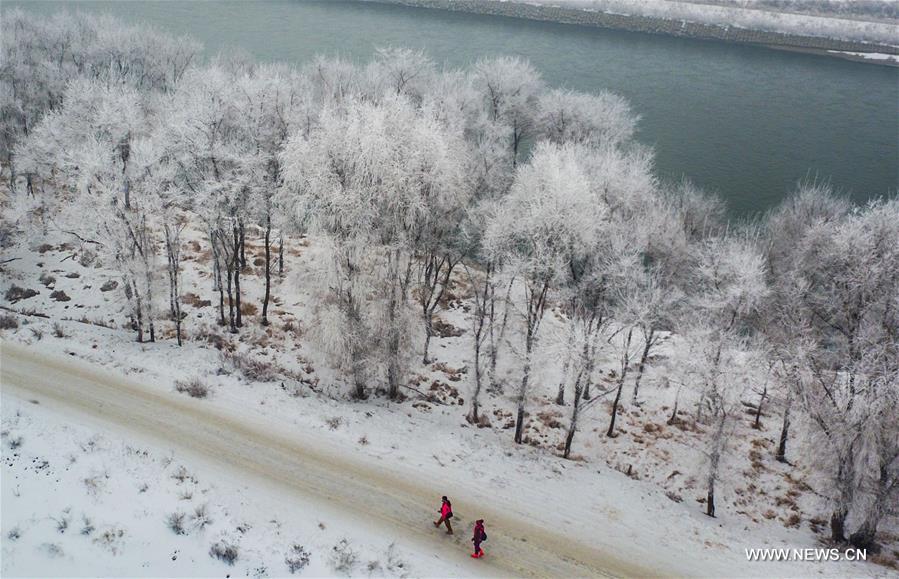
x: 510, y: 87
x: 720, y: 366
x: 373, y: 177
x: 565, y: 116
x: 399, y: 71
x: 209, y: 147
x: 41, y: 56
x: 783, y: 324
x: 540, y: 228
x: 846, y: 272
x: 82, y: 149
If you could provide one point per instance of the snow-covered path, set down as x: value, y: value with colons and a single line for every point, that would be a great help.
x: 249, y: 452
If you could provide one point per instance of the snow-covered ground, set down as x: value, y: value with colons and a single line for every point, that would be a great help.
x: 637, y: 497
x: 82, y: 501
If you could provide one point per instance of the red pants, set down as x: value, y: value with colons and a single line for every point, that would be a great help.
x: 449, y: 527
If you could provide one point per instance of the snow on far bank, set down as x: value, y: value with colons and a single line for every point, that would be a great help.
x: 868, y: 55
x: 741, y: 14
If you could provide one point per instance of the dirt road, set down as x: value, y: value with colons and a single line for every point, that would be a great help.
x: 518, y: 546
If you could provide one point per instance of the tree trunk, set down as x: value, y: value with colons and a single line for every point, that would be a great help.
x: 522, y: 392
x: 566, y: 364
x: 357, y: 354
x: 229, y: 275
x: 429, y: 331
x: 281, y: 255
x: 519, y: 423
x: 863, y: 538
x: 758, y: 411
x: 611, y: 431
x: 673, y: 418
x: 478, y: 325
x: 496, y: 338
x: 838, y: 525
x: 173, y: 251
x: 781, y: 455
x: 647, y: 345
x: 393, y: 339
x: 150, y: 316
x: 572, y: 428
x: 268, y: 270
x: 243, y: 246
x: 715, y: 461
x: 139, y: 310
x: 710, y: 500
x: 473, y: 416
x: 624, y: 366
x: 216, y: 269
x: 238, y: 244
x: 560, y: 396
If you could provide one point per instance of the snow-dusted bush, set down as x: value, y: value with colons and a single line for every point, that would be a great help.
x: 343, y: 558
x: 297, y: 558
x: 87, y: 527
x: 224, y: 551
x: 175, y: 522
x: 59, y: 331
x: 8, y: 322
x: 194, y: 387
x: 16, y: 293
x: 251, y: 367
x: 200, y: 519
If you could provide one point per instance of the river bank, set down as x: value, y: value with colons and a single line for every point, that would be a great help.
x: 652, y: 25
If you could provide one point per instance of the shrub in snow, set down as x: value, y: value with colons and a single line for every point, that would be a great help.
x: 394, y: 563
x: 16, y: 293
x: 62, y: 524
x: 8, y: 322
x: 58, y: 330
x: 201, y: 518
x: 181, y: 475
x: 111, y: 539
x: 194, y: 388
x: 251, y: 368
x: 224, y: 551
x: 60, y: 296
x: 15, y: 443
x: 95, y: 483
x: 47, y: 279
x: 343, y: 557
x: 88, y: 527
x: 52, y: 550
x: 175, y: 522
x: 109, y: 286
x: 297, y: 558
x: 14, y: 534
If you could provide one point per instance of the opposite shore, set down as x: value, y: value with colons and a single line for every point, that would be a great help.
x: 846, y: 49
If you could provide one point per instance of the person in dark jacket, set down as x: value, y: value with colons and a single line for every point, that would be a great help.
x: 479, y: 536
x: 446, y: 513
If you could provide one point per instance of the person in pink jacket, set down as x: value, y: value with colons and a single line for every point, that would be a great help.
x: 446, y: 513
x: 479, y: 536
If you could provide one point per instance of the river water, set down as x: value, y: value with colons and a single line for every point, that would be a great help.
x: 745, y: 122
